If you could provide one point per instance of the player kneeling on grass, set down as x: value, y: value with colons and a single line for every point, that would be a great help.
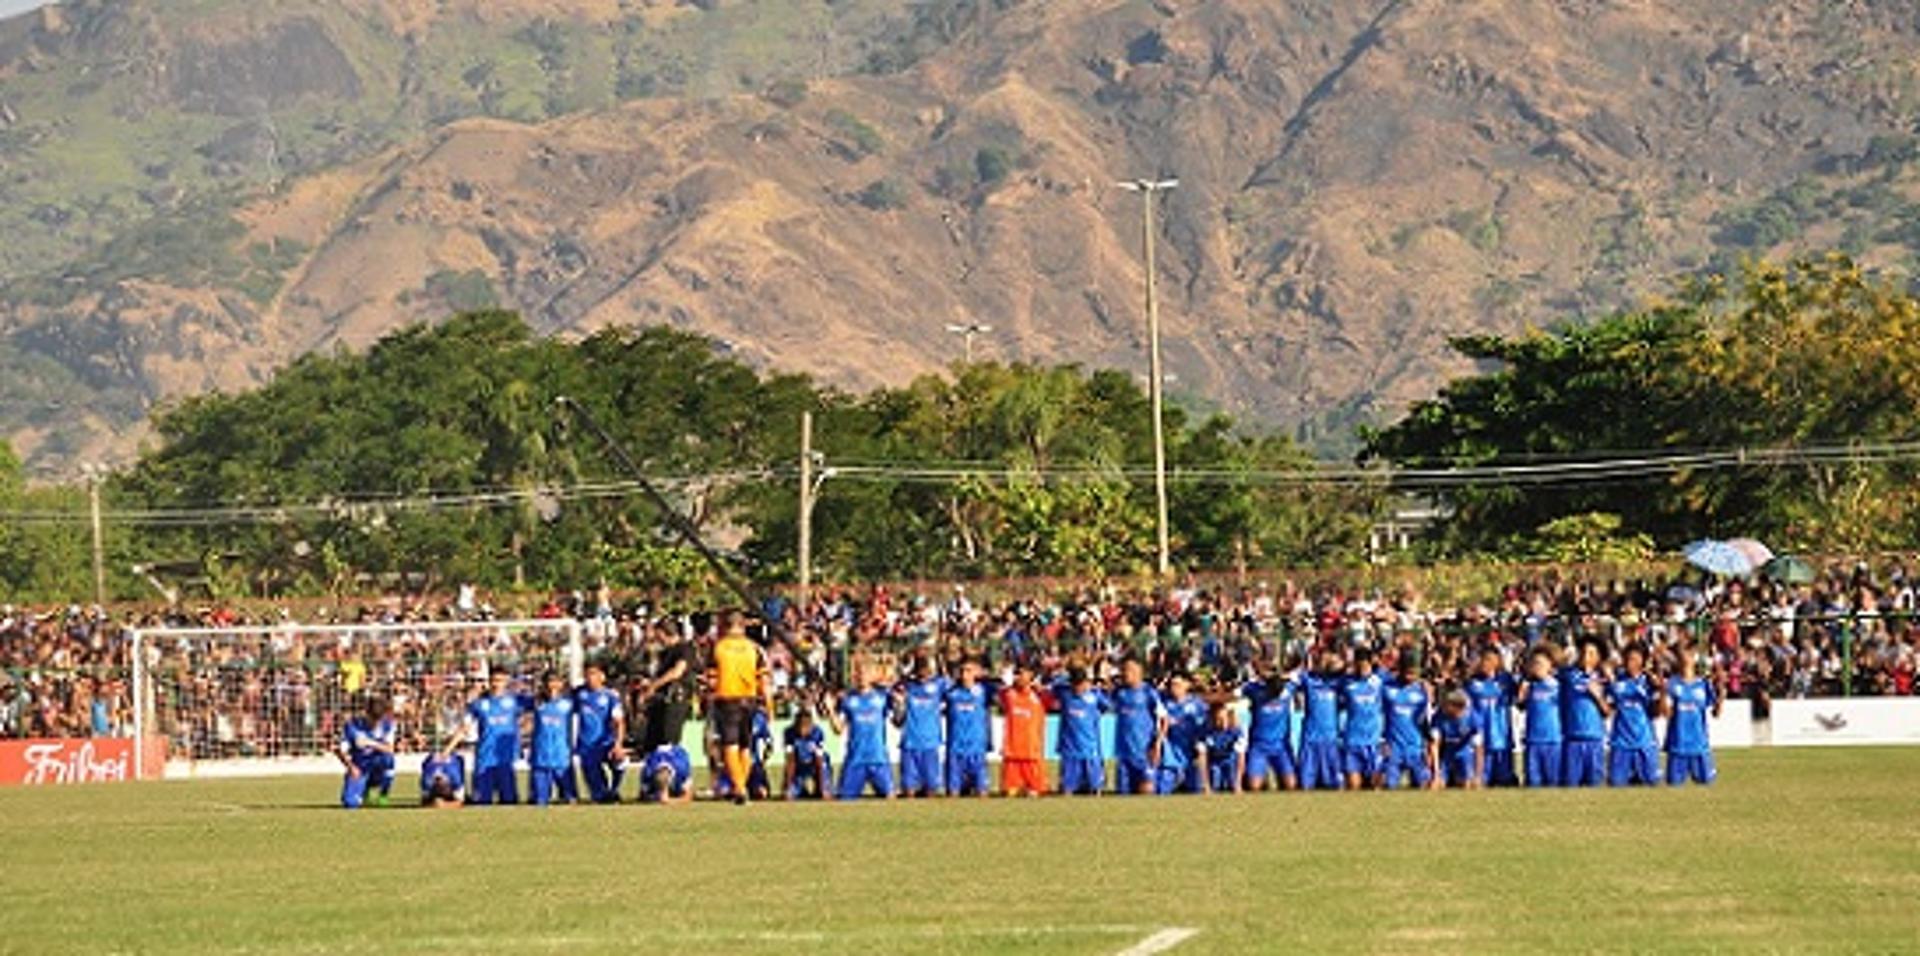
x: 1221, y: 761
x: 1409, y: 720
x: 1186, y: 724
x: 968, y: 735
x: 1633, y: 759
x: 809, y: 770
x: 554, y: 730
x: 1460, y: 743
x: 862, y: 718
x: 667, y: 776
x: 1689, y: 699
x: 443, y: 781
x: 1023, y: 757
x: 366, y: 750
x: 1083, y: 770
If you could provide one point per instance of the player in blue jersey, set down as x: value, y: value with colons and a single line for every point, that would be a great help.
x: 1540, y: 701
x: 1409, y: 722
x: 809, y: 769
x: 494, y: 727
x: 1633, y: 754
x: 1583, y: 715
x: 1321, y: 765
x: 1689, y: 700
x: 969, y: 734
x: 443, y: 780
x: 862, y: 717
x: 1270, y: 731
x: 555, y: 735
x: 366, y: 751
x: 1457, y: 743
x: 1363, y: 703
x: 1083, y: 766
x: 1494, y: 692
x: 1222, y: 756
x: 602, y: 747
x: 1186, y: 723
x: 917, y: 708
x: 667, y: 776
x: 1137, y: 728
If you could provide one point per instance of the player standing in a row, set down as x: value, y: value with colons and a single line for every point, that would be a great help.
x: 742, y: 684
x: 603, y: 732
x: 1689, y: 699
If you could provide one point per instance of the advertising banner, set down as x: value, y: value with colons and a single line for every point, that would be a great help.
x: 36, y: 763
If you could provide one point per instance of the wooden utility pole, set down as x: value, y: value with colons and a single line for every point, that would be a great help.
x: 806, y: 506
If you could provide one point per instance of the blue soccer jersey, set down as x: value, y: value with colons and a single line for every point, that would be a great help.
x: 672, y: 758
x: 1457, y: 735
x: 496, y: 721
x: 1079, y: 737
x: 1579, y: 710
x: 1270, y: 727
x: 1690, y: 702
x: 599, y: 710
x: 1136, y: 722
x: 1493, y: 699
x: 1543, y: 712
x: 866, y: 715
x: 1321, y: 708
x: 920, y: 727
x: 967, y: 729
x: 1632, y: 727
x: 806, y: 748
x: 1408, y: 714
x: 1186, y: 723
x: 1363, y: 702
x: 553, y: 734
x: 437, y: 769
x: 362, y: 741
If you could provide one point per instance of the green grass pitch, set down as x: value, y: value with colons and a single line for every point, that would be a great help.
x: 1793, y: 850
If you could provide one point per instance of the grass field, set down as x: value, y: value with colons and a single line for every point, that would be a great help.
x: 1792, y: 850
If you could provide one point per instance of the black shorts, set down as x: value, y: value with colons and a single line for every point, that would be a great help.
x: 733, y: 722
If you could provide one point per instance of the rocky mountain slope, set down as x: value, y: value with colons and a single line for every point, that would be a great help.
x: 197, y: 193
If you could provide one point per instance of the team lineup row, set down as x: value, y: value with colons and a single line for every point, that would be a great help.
x: 1581, y: 724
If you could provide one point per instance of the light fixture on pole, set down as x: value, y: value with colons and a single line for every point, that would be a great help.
x: 968, y: 331
x: 1150, y: 190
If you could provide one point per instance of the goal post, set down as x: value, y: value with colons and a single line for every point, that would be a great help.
x: 275, y: 698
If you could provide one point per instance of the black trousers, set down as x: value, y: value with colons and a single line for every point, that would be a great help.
x: 665, y: 720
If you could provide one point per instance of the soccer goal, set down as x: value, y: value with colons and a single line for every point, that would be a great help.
x: 267, y: 697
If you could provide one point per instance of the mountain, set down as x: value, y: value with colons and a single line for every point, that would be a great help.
x: 195, y: 193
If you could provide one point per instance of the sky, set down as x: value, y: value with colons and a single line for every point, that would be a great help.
x: 10, y: 7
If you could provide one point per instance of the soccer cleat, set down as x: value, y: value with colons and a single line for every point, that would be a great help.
x: 739, y: 800
x: 380, y: 800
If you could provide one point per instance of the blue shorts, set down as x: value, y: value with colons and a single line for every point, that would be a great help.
x: 1457, y: 768
x: 1321, y: 766
x: 1364, y: 760
x: 811, y: 780
x: 1177, y: 780
x: 856, y: 778
x: 376, y: 773
x: 1628, y: 768
x: 544, y: 781
x: 920, y: 772
x: 1499, y: 769
x: 1082, y: 775
x: 494, y: 785
x: 1582, y: 763
x: 1543, y: 765
x: 1130, y: 774
x: 967, y: 774
x: 1264, y: 762
x: 1695, y: 767
x: 1220, y: 776
x: 1401, y: 765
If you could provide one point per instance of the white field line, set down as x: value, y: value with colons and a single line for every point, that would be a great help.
x: 1161, y: 941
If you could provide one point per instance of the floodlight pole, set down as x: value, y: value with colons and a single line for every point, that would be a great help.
x: 806, y: 507
x: 967, y: 332
x: 1149, y: 191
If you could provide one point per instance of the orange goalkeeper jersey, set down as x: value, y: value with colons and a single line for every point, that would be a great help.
x: 1026, y: 732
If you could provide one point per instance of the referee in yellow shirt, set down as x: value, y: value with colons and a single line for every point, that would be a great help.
x: 740, y: 682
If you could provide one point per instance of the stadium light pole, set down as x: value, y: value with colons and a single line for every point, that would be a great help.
x: 806, y: 507
x: 968, y: 331
x: 1150, y: 190
x: 95, y: 475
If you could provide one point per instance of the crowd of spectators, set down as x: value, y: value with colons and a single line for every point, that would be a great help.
x: 286, y: 687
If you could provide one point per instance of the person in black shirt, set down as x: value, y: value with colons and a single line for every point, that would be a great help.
x: 667, y: 690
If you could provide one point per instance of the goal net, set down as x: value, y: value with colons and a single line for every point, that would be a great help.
x: 286, y: 691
